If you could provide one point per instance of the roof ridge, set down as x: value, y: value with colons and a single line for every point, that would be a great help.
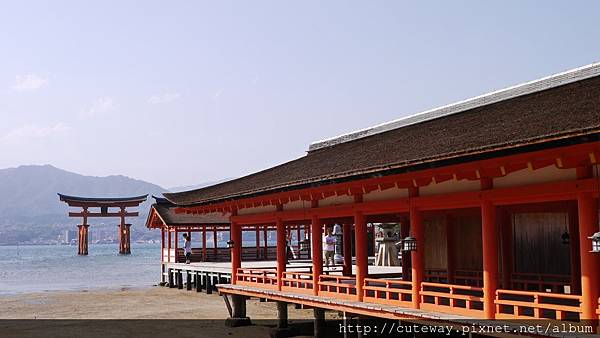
x: 555, y: 80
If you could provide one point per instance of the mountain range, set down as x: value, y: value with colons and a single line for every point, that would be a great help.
x: 30, y: 211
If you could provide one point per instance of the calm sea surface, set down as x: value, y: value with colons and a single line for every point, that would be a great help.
x: 58, y: 267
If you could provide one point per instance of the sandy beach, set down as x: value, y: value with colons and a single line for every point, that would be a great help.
x: 205, y: 313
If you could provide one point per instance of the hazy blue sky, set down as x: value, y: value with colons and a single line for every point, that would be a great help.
x: 183, y: 92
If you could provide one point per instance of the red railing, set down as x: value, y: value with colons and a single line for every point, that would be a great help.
x: 598, y: 311
x: 450, y: 298
x: 263, y: 278
x: 300, y: 282
x: 512, y: 304
x: 385, y: 291
x: 341, y: 287
x: 540, y: 282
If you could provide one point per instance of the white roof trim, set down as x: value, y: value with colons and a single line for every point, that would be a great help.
x: 548, y: 82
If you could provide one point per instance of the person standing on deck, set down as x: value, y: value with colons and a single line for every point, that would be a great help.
x: 329, y: 247
x: 187, y: 248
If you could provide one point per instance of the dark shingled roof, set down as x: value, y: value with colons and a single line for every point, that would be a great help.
x: 166, y: 210
x: 559, y: 113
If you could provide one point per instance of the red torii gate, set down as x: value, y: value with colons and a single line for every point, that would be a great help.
x: 104, y: 204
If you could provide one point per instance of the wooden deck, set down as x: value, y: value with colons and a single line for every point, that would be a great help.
x: 211, y: 273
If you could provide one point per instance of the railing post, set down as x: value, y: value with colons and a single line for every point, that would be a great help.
x: 490, y: 257
x: 317, y: 251
x: 417, y: 257
x: 590, y: 262
x: 362, y: 267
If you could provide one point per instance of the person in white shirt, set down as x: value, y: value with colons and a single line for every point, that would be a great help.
x: 187, y: 248
x: 329, y: 247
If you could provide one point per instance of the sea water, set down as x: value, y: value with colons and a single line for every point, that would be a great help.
x: 40, y: 268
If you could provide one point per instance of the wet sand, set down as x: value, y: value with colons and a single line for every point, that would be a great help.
x: 150, y: 303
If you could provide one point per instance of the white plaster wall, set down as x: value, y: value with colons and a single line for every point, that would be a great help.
x: 336, y: 200
x: 450, y: 186
x: 527, y: 176
x: 257, y: 210
x: 295, y: 205
x: 388, y: 194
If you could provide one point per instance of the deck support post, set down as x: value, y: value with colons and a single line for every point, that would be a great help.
x: 170, y: 276
x: 362, y: 263
x: 236, y: 251
x: 417, y: 257
x: 317, y: 251
x: 489, y: 231
x: 347, y: 248
x: 188, y: 281
x: 282, y: 329
x: 590, y: 262
x: 238, y: 317
x: 198, y: 282
x: 282, y: 315
x: 319, y: 323
x: 179, y: 279
x: 281, y: 251
x: 207, y: 283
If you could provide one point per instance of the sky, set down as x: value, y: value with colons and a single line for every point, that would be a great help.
x: 184, y: 92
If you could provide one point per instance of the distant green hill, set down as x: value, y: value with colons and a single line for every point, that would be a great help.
x: 30, y: 209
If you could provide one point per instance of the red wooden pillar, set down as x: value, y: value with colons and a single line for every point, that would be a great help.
x: 590, y: 262
x: 347, y: 247
x: 405, y: 232
x: 236, y: 251
x: 574, y: 248
x: 257, y: 235
x: 175, y: 244
x: 122, y: 233
x: 162, y: 245
x: 507, y: 249
x: 490, y: 258
x: 317, y: 251
x: 418, y: 256
x: 281, y: 251
x: 362, y: 257
x: 169, y: 245
x: 204, y: 243
x: 215, y: 243
x: 266, y: 241
x: 450, y: 266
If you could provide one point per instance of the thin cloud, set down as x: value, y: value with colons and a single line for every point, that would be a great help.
x: 29, y: 81
x: 33, y: 132
x: 164, y: 98
x: 100, y: 106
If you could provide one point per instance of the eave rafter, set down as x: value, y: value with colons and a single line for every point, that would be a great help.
x: 563, y: 158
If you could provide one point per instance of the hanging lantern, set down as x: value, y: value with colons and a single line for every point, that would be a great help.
x: 409, y: 244
x: 230, y: 244
x: 565, y: 238
x: 595, y: 242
